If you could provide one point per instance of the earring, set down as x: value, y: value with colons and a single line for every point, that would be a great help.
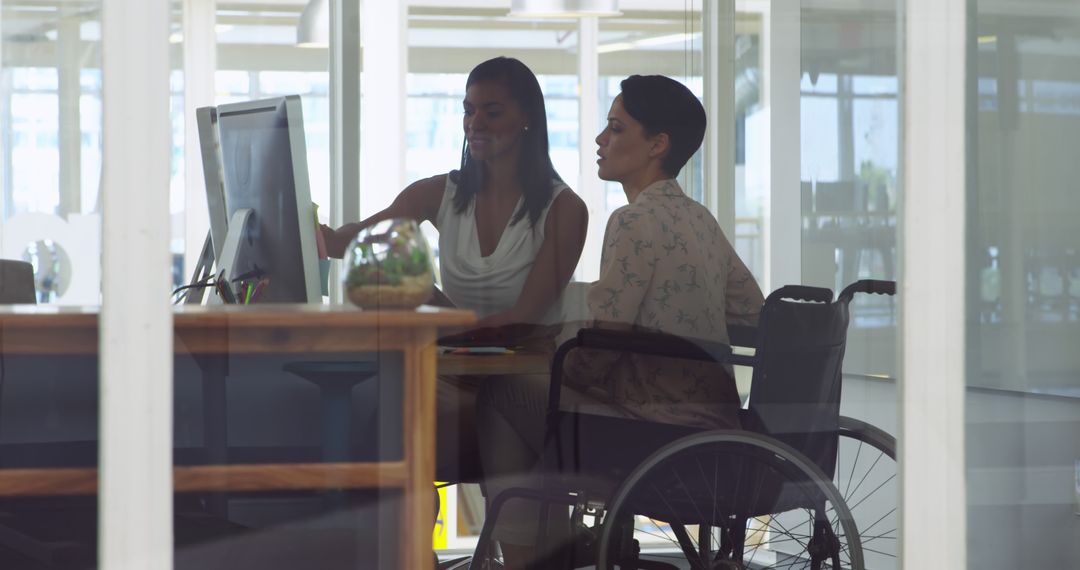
x: 526, y: 128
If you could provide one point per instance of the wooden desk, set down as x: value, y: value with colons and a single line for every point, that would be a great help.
x: 269, y: 329
x: 495, y: 364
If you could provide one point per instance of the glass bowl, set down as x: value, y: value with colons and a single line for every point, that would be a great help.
x: 388, y: 265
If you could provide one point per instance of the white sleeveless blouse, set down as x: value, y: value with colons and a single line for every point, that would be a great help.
x: 492, y: 284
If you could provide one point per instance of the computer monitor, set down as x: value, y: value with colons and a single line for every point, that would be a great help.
x: 263, y: 196
x: 207, y: 120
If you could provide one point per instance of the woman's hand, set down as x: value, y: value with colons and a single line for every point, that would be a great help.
x: 337, y: 240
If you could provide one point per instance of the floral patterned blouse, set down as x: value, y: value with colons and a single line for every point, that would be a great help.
x: 667, y: 266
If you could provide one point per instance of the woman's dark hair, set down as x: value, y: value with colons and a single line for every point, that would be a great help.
x: 663, y: 105
x: 535, y: 171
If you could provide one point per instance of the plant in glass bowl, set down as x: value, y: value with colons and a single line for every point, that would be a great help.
x: 388, y: 265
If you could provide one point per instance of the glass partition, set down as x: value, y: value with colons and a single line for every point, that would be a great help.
x: 848, y: 162
x: 750, y: 193
x: 647, y: 43
x: 50, y: 255
x: 51, y: 148
x: 1023, y: 285
x: 446, y: 42
x: 849, y: 191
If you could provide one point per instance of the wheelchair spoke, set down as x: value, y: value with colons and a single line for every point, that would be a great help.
x: 864, y: 476
x: 660, y: 527
x: 783, y: 562
x: 689, y: 495
x: 688, y: 545
x: 888, y: 554
x: 886, y: 536
x: 763, y: 507
x: 784, y: 530
x: 851, y: 476
x: 715, y: 484
x: 865, y: 458
x: 867, y: 529
x: 871, y: 493
x: 671, y: 509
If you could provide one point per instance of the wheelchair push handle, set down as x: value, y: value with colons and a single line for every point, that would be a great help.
x: 801, y: 293
x: 871, y: 286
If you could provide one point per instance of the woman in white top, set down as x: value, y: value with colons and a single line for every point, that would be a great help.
x: 510, y: 231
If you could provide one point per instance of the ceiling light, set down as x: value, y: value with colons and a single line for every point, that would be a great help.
x: 646, y: 42
x: 564, y: 8
x: 664, y: 40
x: 314, y: 27
x: 618, y: 46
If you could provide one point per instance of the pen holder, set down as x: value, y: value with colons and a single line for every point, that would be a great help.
x: 388, y: 265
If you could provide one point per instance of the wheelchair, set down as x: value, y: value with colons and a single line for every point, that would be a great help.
x: 799, y: 486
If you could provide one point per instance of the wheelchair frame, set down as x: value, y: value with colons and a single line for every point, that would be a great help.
x: 806, y: 460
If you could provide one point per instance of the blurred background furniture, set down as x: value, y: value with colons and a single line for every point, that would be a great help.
x: 16, y: 282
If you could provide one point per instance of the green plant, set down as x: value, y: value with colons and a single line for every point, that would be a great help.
x: 388, y: 265
x: 877, y: 180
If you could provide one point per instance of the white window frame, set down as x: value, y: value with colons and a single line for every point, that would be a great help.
x: 932, y: 228
x: 136, y: 351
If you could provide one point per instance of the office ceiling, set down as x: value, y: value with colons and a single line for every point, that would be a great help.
x: 838, y: 35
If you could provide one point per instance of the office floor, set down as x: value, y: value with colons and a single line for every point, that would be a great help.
x: 62, y: 535
x: 682, y: 565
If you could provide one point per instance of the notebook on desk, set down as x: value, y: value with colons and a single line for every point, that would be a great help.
x: 478, y: 350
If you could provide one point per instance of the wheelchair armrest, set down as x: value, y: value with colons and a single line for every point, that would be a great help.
x: 653, y: 343
x: 742, y: 335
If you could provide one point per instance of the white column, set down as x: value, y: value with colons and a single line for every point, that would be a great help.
x: 200, y: 64
x: 345, y: 66
x: 382, y: 173
x: 590, y: 188
x: 70, y: 136
x: 782, y: 31
x: 6, y: 186
x: 718, y: 47
x: 345, y: 170
x: 5, y: 95
x: 932, y: 214
x: 135, y: 501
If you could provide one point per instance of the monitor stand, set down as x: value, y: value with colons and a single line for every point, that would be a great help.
x: 234, y: 242
x: 203, y: 269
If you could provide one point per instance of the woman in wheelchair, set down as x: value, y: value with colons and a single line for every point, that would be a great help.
x: 666, y: 266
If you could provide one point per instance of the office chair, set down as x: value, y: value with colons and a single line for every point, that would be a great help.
x: 16, y: 282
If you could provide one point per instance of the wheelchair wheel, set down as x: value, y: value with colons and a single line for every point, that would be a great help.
x: 728, y: 500
x: 867, y: 479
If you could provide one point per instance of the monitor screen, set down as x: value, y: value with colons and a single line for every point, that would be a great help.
x: 264, y: 169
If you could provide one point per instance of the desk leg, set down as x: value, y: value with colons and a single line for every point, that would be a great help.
x: 419, y: 431
x: 215, y: 420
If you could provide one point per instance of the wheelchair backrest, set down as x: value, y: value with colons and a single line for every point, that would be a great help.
x: 795, y: 395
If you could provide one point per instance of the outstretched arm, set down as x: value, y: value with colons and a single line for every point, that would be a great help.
x: 419, y: 201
